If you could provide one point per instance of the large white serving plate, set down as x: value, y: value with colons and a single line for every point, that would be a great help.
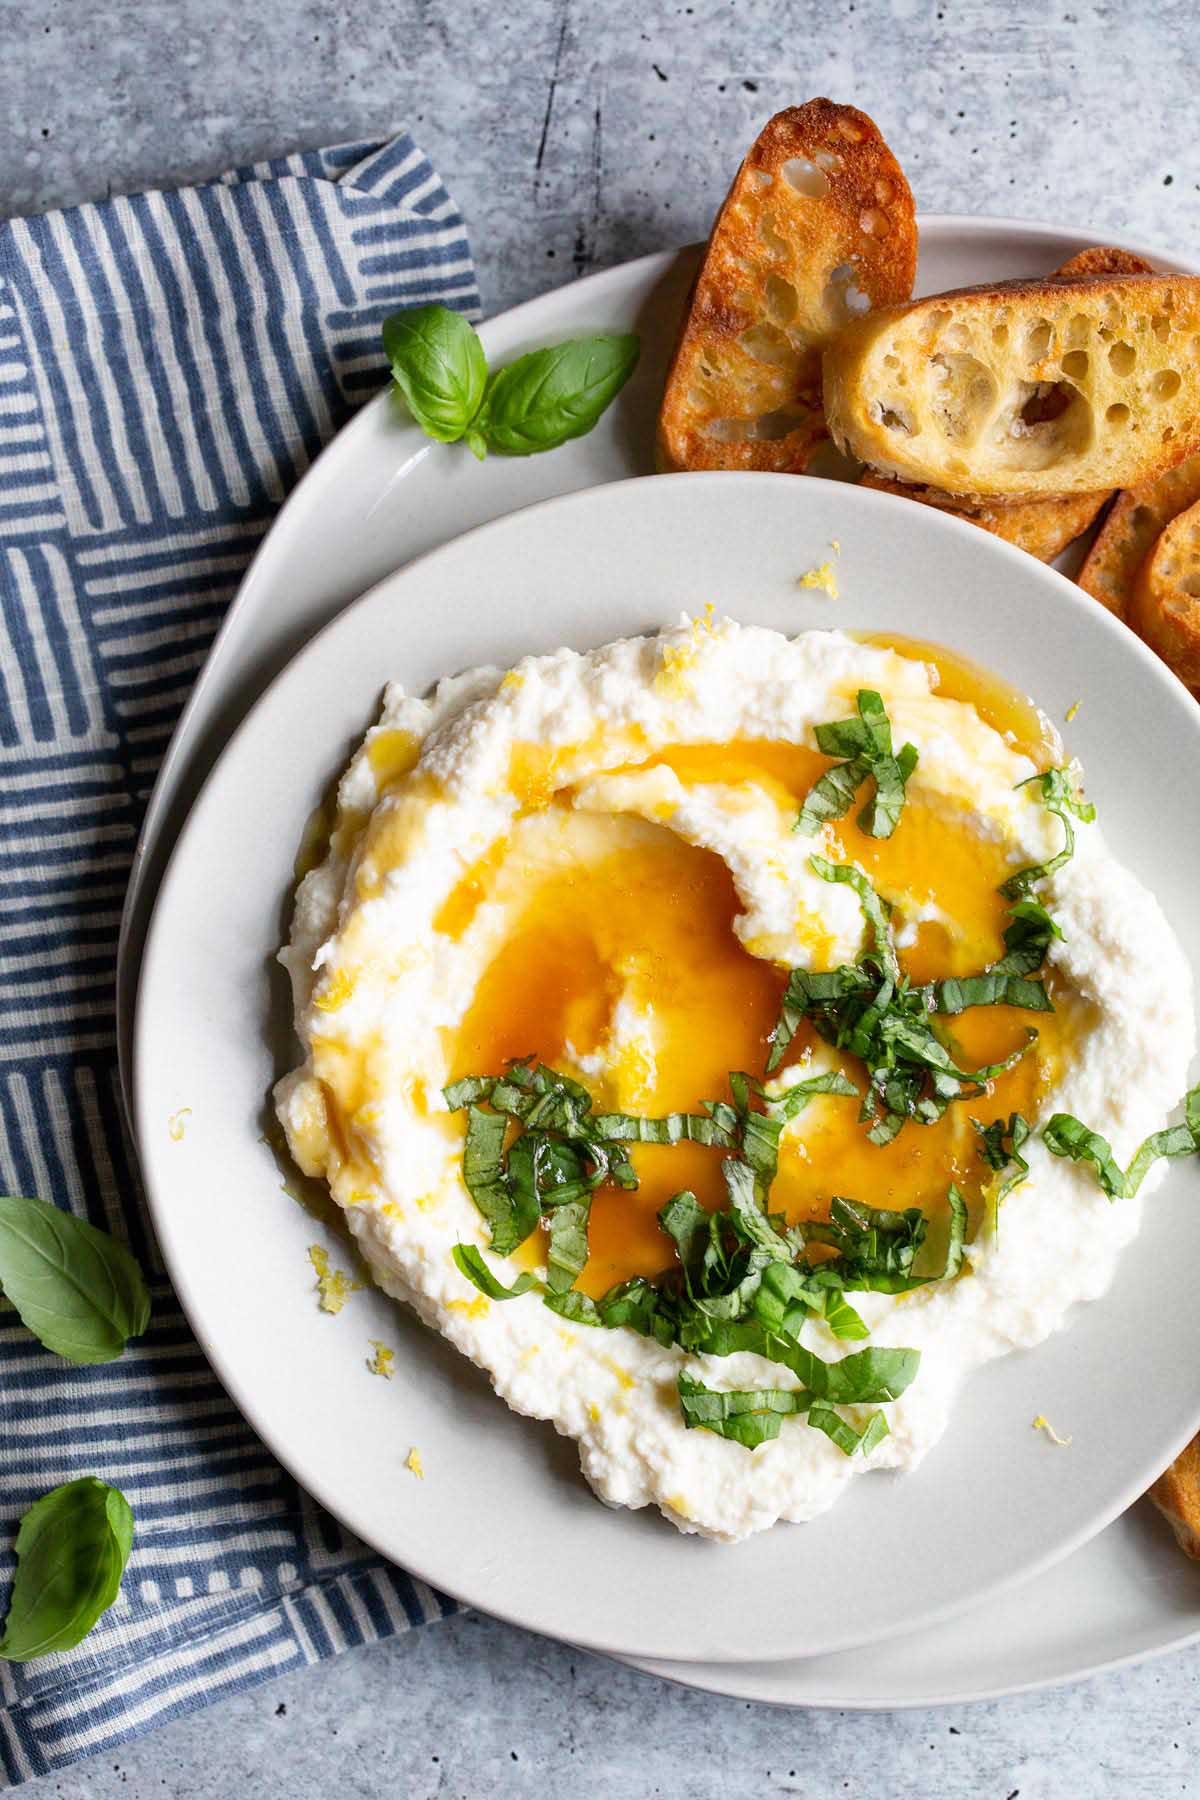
x: 376, y: 498
x: 502, y: 1520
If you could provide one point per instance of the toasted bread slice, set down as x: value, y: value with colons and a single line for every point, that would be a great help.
x: 1164, y: 603
x: 1176, y: 1494
x: 1042, y: 527
x: 819, y: 224
x: 1125, y: 539
x: 1103, y: 259
x: 1026, y: 388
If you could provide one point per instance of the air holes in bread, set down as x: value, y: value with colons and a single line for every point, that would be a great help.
x: 875, y: 222
x: 829, y: 160
x: 767, y: 427
x: 1117, y: 414
x: 1166, y: 384
x: 782, y: 299
x: 761, y: 178
x: 767, y: 344
x: 893, y: 417
x: 769, y: 238
x: 962, y: 396
x: 844, y: 299
x: 852, y: 132
x: 1044, y: 423
x: 1075, y: 364
x: 1160, y: 325
x: 1038, y: 336
x: 1122, y: 357
x: 805, y: 177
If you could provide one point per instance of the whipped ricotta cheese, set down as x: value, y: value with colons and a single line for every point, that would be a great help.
x: 591, y: 859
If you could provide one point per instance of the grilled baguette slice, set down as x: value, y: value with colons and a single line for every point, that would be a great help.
x: 1176, y: 1494
x: 1029, y: 387
x: 819, y: 223
x: 1042, y: 527
x: 1103, y: 259
x: 1164, y: 605
x: 1127, y: 535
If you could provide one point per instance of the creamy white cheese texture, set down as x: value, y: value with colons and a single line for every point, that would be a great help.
x: 402, y: 849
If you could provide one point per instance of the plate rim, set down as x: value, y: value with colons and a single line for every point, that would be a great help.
x: 243, y: 1393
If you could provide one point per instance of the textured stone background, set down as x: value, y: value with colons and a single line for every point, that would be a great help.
x: 575, y: 135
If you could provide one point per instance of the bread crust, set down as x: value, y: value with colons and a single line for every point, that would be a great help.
x: 1176, y: 1494
x: 1125, y: 539
x: 1042, y: 527
x: 819, y: 219
x: 1059, y: 385
x: 1164, y: 603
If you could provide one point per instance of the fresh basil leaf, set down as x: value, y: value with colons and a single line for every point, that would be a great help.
x: 843, y: 1434
x: 956, y: 1242
x: 832, y: 795
x: 1066, y: 1136
x: 567, y: 1250
x: 1000, y: 1144
x: 881, y: 815
x: 876, y: 911
x: 746, y: 1211
x: 1059, y: 797
x: 747, y: 1417
x: 76, y: 1288
x: 675, y: 1128
x: 864, y: 1377
x: 438, y: 365
x: 841, y: 1318
x: 687, y: 1224
x: 549, y: 396
x: 471, y: 1264
x: 72, y: 1546
x: 1027, y: 937
x: 956, y: 993
x: 510, y: 1220
x: 866, y: 743
x: 1176, y: 1140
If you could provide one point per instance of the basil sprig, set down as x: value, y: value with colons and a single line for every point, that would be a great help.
x: 72, y: 1546
x: 536, y: 403
x: 871, y: 1010
x: 866, y: 745
x: 1067, y: 1136
x: 76, y: 1288
x: 1059, y: 796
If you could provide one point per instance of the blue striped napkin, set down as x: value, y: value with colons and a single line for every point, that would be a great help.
x: 170, y: 363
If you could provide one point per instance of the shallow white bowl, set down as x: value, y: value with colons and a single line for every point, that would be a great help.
x: 503, y: 1519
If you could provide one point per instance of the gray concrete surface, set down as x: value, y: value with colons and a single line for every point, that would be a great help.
x: 575, y: 135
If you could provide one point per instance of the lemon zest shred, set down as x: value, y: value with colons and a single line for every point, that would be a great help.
x: 413, y: 1461
x: 1042, y: 1423
x: 593, y: 1412
x: 824, y: 576
x: 513, y: 680
x: 334, y: 1286
x: 623, y: 1376
x: 1072, y: 710
x: 384, y: 1360
x: 176, y: 1125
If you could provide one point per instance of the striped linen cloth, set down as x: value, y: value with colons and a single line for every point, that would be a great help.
x: 170, y: 363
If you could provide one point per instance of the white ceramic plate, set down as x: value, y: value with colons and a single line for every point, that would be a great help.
x: 366, y: 508
x: 501, y: 1520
